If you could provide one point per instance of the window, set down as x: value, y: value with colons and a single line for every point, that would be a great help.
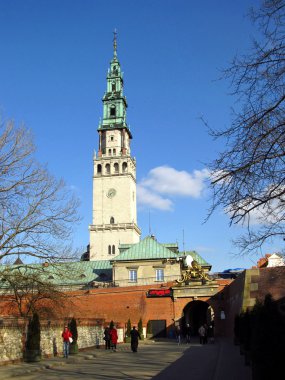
x: 108, y: 168
x: 110, y: 152
x: 109, y: 250
x: 99, y: 169
x: 133, y: 275
x: 112, y: 111
x: 112, y: 220
x: 114, y: 152
x: 116, y: 167
x: 113, y: 86
x: 113, y: 250
x: 112, y: 138
x: 125, y: 167
x: 159, y: 275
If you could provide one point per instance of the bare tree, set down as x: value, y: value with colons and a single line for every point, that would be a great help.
x: 37, y: 212
x: 248, y: 177
x: 26, y: 290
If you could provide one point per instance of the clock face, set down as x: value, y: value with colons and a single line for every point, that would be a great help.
x: 111, y: 193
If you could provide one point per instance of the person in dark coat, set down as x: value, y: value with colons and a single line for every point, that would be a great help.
x: 135, y: 336
x: 107, y: 338
x: 188, y: 333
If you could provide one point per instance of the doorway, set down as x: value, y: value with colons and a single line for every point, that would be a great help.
x: 197, y: 313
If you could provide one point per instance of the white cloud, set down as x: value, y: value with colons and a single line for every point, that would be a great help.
x: 271, y: 212
x: 165, y: 180
x: 147, y: 198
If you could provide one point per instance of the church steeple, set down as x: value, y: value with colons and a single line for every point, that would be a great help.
x: 114, y: 219
x: 114, y: 109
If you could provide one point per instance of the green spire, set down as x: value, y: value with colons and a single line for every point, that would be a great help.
x: 114, y: 102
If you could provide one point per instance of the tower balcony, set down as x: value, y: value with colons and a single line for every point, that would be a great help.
x: 114, y: 227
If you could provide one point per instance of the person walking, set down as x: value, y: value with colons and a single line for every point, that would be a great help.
x: 201, y: 332
x: 107, y: 338
x: 135, y: 336
x: 114, y: 338
x: 178, y: 335
x: 67, y: 339
x: 188, y: 333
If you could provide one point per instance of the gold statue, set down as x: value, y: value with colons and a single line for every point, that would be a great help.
x: 195, y: 271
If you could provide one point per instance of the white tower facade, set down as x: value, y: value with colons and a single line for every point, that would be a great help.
x: 114, y: 219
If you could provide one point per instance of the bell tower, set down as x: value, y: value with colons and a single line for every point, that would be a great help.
x: 114, y: 219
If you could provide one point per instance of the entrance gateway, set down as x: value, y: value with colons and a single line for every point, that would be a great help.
x: 197, y: 313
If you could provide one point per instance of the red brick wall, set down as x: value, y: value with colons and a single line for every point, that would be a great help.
x: 251, y: 285
x: 270, y: 280
x: 121, y: 304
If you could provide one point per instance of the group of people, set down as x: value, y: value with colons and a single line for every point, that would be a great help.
x: 206, y: 332
x: 180, y: 335
x: 111, y: 338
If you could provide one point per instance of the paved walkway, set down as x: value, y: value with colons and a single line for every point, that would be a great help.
x: 159, y: 360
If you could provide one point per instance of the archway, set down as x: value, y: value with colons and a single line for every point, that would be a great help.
x: 197, y: 313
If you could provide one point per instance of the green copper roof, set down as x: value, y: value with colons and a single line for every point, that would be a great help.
x: 147, y: 249
x: 75, y: 273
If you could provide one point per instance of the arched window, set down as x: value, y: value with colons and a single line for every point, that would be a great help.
x: 99, y: 169
x: 112, y: 111
x: 125, y: 167
x: 114, y: 152
x: 116, y: 167
x: 109, y: 250
x: 113, y: 86
x: 113, y: 250
x: 110, y: 152
x: 107, y: 168
x: 112, y: 220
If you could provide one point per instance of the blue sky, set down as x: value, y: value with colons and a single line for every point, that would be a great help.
x: 54, y: 59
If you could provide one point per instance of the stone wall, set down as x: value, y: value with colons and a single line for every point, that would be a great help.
x: 12, y: 333
x: 13, y: 336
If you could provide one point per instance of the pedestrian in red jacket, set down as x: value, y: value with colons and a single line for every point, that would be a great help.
x: 67, y: 339
x: 114, y: 338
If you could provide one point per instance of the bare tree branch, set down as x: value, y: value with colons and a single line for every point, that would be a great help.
x: 37, y: 212
x: 248, y: 177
